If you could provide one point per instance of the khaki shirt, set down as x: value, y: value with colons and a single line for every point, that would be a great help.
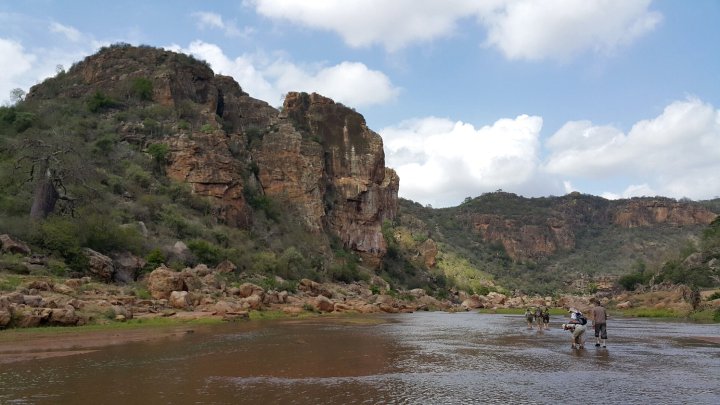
x: 599, y: 315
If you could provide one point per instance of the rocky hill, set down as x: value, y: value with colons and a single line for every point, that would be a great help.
x: 546, y: 244
x: 138, y: 156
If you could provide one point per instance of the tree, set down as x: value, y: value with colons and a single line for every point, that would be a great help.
x: 17, y: 95
x: 50, y: 164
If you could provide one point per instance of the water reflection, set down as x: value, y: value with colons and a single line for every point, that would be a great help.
x: 406, y: 359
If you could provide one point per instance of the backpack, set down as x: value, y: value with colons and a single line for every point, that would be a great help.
x: 581, y: 318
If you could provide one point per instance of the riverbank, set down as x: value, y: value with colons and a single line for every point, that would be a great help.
x: 216, y: 295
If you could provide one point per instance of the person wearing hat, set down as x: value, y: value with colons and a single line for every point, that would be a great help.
x: 577, y: 328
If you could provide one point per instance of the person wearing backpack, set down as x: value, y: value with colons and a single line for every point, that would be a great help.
x: 577, y: 327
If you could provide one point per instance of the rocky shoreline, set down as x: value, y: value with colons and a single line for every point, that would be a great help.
x: 205, y: 292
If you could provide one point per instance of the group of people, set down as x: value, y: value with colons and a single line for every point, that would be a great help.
x: 576, y: 325
x: 540, y: 315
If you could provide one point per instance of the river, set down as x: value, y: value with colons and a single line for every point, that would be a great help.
x: 421, y: 358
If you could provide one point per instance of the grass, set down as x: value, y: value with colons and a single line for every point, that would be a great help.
x: 10, y: 282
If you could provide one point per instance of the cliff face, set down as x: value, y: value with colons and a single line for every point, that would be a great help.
x: 324, y: 160
x: 315, y: 157
x: 525, y: 234
x: 637, y: 213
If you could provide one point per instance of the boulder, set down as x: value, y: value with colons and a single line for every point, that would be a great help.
x: 250, y: 289
x: 40, y: 285
x: 10, y: 245
x: 201, y: 270
x: 179, y: 299
x: 496, y: 298
x: 163, y: 281
x: 25, y: 317
x: 63, y: 289
x: 101, y: 266
x: 226, y: 267
x: 5, y: 317
x: 253, y: 301
x: 323, y: 304
x: 127, y: 267
x: 224, y: 307
x: 34, y: 301
x: 472, y: 302
x: 63, y: 317
x: 191, y: 280
x: 313, y: 289
x: 624, y: 305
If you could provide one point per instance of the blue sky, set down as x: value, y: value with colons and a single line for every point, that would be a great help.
x: 616, y: 98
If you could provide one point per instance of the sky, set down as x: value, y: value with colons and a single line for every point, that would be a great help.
x: 615, y: 98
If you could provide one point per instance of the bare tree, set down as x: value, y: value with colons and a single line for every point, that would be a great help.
x: 49, y: 168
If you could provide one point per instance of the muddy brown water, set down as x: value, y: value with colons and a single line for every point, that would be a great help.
x: 422, y: 358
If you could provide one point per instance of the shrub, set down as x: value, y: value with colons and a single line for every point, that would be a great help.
x: 714, y: 296
x: 207, y: 128
x: 154, y: 259
x: 159, y: 153
x: 205, y: 252
x: 142, y: 88
x: 99, y: 102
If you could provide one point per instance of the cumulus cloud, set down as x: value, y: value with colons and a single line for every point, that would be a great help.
x: 441, y: 162
x: 674, y: 154
x: 15, y: 63
x: 520, y: 29
x: 210, y: 20
x: 70, y: 33
x: 559, y: 29
x: 394, y: 24
x: 23, y: 66
x: 268, y: 77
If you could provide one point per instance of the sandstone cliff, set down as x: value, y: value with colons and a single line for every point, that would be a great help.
x: 315, y: 157
x: 531, y: 229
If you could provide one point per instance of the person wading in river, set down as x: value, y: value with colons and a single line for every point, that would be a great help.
x: 529, y: 318
x: 599, y: 315
x: 576, y: 326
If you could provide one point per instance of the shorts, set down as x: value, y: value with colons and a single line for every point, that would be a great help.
x: 601, y: 330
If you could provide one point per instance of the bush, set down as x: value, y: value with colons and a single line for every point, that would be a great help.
x: 714, y: 296
x: 142, y: 88
x: 154, y: 259
x: 99, y: 102
x: 205, y: 252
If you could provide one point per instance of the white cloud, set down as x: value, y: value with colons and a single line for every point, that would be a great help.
x: 215, y: 21
x: 70, y: 33
x: 559, y: 29
x: 520, y: 29
x: 441, y: 162
x: 394, y: 24
x: 15, y: 63
x: 674, y: 154
x: 269, y: 77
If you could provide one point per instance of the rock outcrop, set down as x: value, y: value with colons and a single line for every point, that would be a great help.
x: 323, y: 159
x: 315, y: 156
x: 534, y: 230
